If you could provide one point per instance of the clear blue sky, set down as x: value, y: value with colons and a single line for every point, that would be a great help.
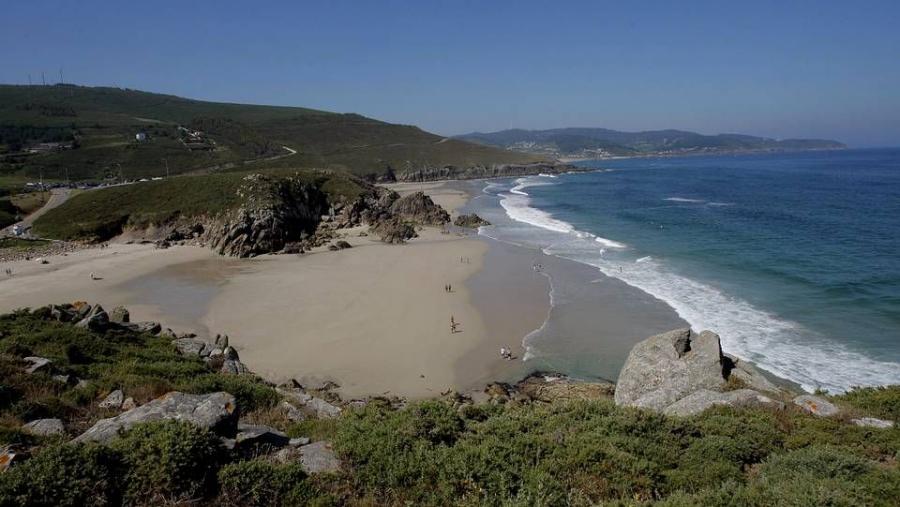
x: 782, y: 68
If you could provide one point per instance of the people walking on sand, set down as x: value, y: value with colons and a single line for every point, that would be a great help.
x: 505, y: 353
x: 93, y: 276
x: 453, y: 324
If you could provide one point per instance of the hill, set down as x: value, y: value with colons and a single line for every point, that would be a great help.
x: 89, y: 133
x: 195, y: 431
x: 602, y: 143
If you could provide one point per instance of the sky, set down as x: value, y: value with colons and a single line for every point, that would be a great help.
x: 828, y: 69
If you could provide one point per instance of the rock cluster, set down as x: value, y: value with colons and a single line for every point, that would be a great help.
x: 219, y: 354
x: 419, y: 208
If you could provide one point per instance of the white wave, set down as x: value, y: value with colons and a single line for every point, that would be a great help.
x: 517, y: 207
x: 683, y: 199
x: 720, y: 204
x: 785, y: 348
x: 609, y: 243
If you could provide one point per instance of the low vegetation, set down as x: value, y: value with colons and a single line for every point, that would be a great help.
x: 428, y: 453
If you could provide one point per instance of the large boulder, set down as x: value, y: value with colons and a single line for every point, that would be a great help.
x: 418, y: 207
x: 698, y: 401
x: 189, y: 346
x: 748, y: 375
x: 214, y: 411
x: 665, y: 368
x: 471, y: 221
x: 255, y: 434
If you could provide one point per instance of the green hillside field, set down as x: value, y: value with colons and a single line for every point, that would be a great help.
x: 101, y: 124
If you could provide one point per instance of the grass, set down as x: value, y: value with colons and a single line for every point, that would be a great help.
x: 105, y: 121
x: 101, y: 214
x: 428, y: 453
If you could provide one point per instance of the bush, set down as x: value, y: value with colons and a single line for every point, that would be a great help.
x: 169, y: 461
x: 882, y: 402
x: 63, y: 475
x: 261, y: 483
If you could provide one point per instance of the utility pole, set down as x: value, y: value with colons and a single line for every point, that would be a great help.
x: 43, y: 79
x: 60, y: 76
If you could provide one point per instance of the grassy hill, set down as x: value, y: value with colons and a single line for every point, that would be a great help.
x: 101, y: 124
x: 591, y: 142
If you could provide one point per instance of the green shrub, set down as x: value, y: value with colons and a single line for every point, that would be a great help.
x: 259, y: 483
x: 882, y: 402
x: 250, y: 391
x: 63, y: 475
x: 169, y: 461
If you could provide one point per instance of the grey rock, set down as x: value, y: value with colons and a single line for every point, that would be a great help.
x: 221, y: 341
x: 234, y: 367
x: 96, y: 320
x: 318, y: 457
x: 120, y: 315
x: 297, y: 442
x: 285, y: 455
x: 323, y: 409
x: 44, y: 427
x: 228, y: 443
x: 168, y: 333
x: 292, y: 413
x: 38, y: 364
x: 750, y: 376
x: 254, y: 434
x: 871, y: 422
x: 143, y: 327
x: 215, y: 411
x: 816, y: 405
x: 62, y: 314
x: 113, y: 399
x: 665, y: 368
x: 128, y: 404
x: 700, y: 400
x: 299, y: 396
x: 64, y: 379
x: 230, y: 353
x: 192, y: 346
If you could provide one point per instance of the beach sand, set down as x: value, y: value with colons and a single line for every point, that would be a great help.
x: 374, y: 318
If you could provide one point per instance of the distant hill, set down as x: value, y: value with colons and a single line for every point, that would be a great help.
x: 602, y: 143
x: 90, y: 133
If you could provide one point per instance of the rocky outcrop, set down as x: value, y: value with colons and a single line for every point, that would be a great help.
x: 419, y: 208
x: 96, y: 320
x: 470, y: 221
x: 394, y: 230
x: 681, y: 373
x: 484, y: 171
x: 273, y: 212
x: 120, y: 315
x: 548, y: 388
x: 38, y: 364
x: 215, y: 411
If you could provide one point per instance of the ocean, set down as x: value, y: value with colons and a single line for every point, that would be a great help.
x: 792, y: 258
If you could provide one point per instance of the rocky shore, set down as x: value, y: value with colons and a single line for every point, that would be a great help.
x: 482, y: 172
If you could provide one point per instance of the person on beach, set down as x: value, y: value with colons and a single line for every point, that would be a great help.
x: 452, y: 324
x: 93, y: 276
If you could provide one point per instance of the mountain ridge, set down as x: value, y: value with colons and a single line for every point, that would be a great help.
x: 588, y: 142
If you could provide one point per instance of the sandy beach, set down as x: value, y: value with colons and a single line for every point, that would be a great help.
x: 374, y: 318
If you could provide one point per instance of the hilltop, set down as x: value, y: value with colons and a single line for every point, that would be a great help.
x: 92, y: 133
x: 604, y: 143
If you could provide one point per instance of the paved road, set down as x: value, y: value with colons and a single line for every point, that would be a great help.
x: 57, y: 197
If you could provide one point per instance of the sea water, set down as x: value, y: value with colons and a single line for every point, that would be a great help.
x: 792, y: 258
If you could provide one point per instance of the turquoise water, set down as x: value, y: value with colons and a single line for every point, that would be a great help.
x: 794, y: 259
